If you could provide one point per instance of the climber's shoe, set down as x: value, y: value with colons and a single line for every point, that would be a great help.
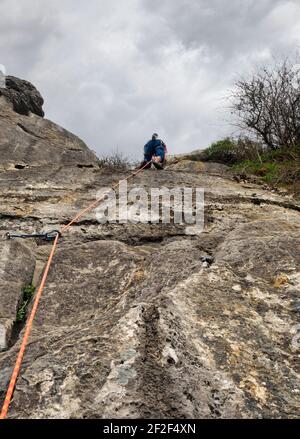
x: 158, y: 165
x: 144, y: 165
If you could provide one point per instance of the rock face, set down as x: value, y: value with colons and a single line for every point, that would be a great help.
x: 24, y: 97
x: 31, y: 141
x: 199, y: 166
x: 146, y: 320
x: 17, y: 265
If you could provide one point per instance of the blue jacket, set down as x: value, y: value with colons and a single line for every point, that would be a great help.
x: 153, y: 145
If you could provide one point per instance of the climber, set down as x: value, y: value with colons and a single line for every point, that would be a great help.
x: 154, y: 152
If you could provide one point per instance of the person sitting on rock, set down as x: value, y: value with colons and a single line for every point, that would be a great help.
x: 154, y: 152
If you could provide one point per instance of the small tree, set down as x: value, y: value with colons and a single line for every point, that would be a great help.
x: 268, y: 105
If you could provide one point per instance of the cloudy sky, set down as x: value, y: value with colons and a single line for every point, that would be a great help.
x: 113, y: 71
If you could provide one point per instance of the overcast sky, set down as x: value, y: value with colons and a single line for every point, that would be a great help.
x: 115, y: 71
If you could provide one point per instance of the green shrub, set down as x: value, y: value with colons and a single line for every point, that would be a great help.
x: 231, y: 151
x: 222, y: 151
x: 269, y: 172
x: 28, y: 293
x: 280, y: 172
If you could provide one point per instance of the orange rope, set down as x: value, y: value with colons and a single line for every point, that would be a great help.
x: 26, y: 336
x: 20, y: 356
x: 95, y: 203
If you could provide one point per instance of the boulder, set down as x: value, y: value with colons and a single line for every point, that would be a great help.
x: 32, y: 141
x: 23, y: 96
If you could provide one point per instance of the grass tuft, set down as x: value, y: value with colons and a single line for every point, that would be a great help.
x: 28, y: 292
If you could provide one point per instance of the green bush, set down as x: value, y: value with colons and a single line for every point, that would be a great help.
x: 268, y: 171
x: 247, y: 157
x: 222, y: 151
x: 231, y: 151
x: 28, y: 293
